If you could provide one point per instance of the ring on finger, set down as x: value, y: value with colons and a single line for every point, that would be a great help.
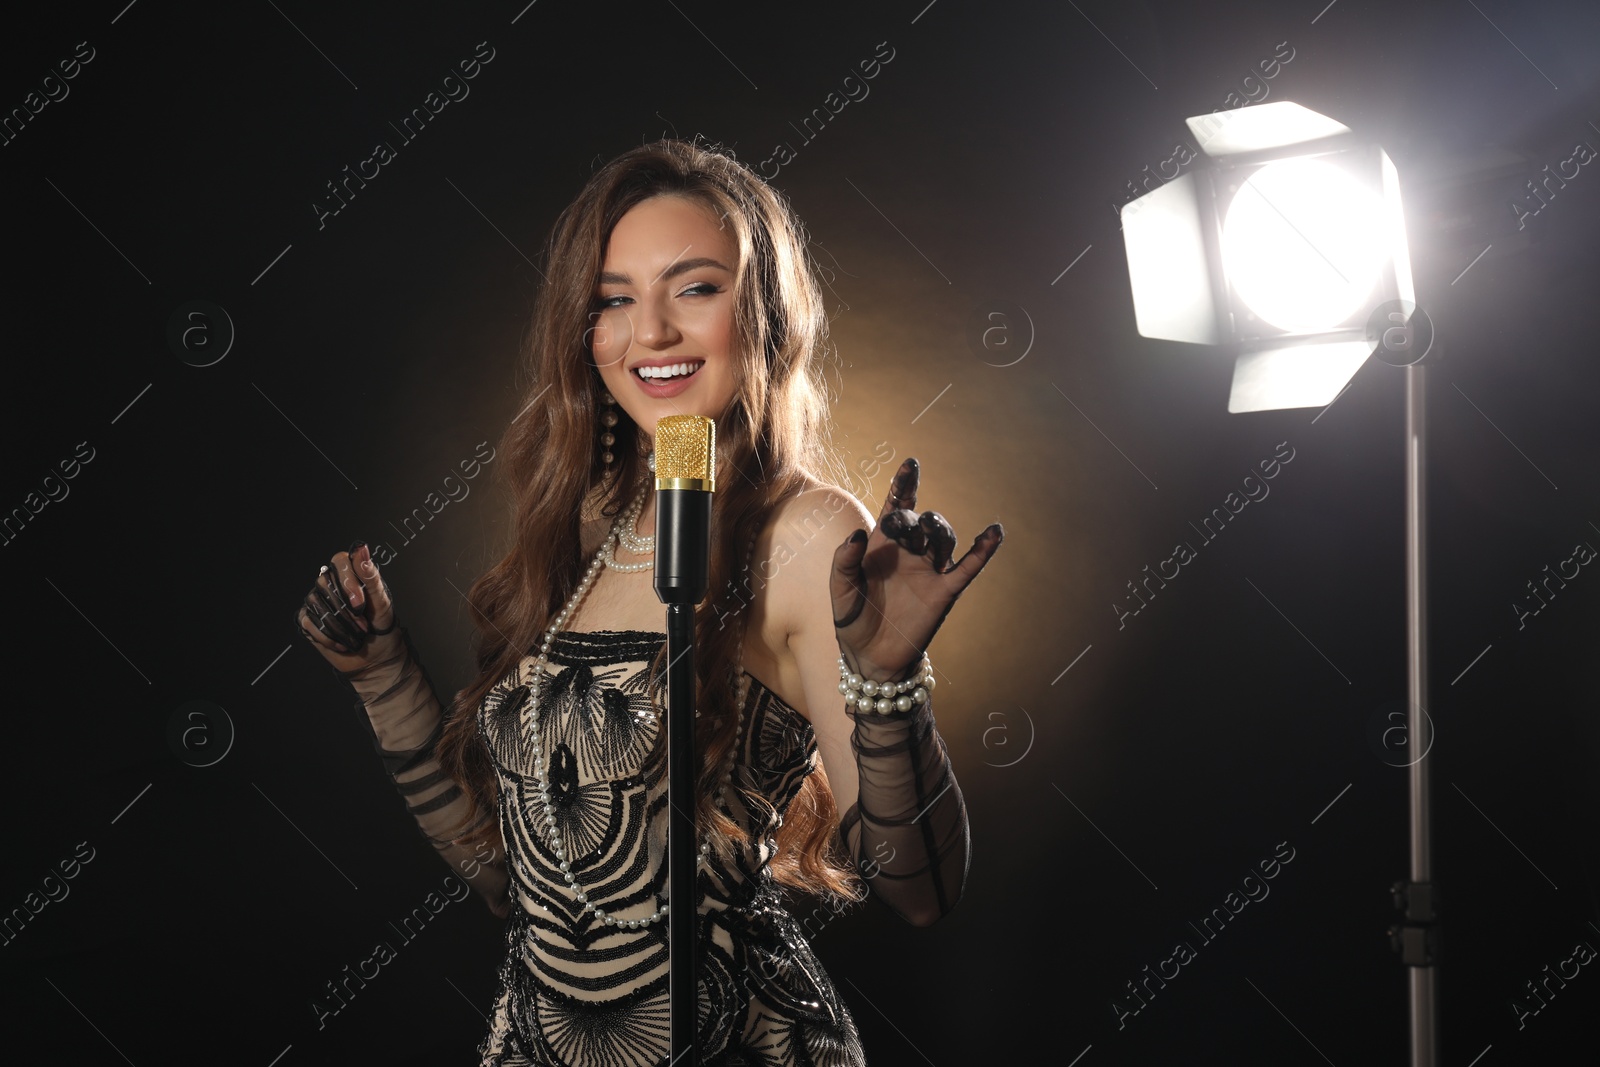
x: 332, y: 625
x: 941, y: 537
x: 906, y: 530
x: 354, y: 616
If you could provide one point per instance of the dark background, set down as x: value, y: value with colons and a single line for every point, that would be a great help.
x: 1111, y: 805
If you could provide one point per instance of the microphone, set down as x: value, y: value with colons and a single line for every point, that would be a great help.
x: 686, y: 468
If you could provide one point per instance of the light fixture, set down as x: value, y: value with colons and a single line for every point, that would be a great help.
x: 1278, y: 248
x: 1287, y: 246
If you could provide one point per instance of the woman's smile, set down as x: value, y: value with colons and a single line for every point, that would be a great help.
x: 664, y: 379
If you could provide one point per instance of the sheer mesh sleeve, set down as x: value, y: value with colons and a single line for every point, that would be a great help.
x: 407, y: 720
x: 907, y: 830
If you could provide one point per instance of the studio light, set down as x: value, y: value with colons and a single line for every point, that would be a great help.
x: 1287, y: 246
x: 1278, y: 247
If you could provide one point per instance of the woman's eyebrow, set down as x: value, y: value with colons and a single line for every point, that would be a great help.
x: 612, y: 277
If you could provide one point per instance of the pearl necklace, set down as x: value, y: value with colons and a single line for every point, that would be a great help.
x: 627, y: 521
x: 629, y: 535
x: 605, y: 557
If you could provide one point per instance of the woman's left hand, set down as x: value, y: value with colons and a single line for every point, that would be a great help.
x: 892, y: 590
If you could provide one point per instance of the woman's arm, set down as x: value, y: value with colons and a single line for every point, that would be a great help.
x: 907, y: 830
x: 904, y: 820
x: 349, y: 617
x: 407, y: 719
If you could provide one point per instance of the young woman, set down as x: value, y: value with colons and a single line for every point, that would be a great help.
x: 679, y: 283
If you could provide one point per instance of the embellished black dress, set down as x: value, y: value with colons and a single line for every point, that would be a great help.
x: 575, y: 992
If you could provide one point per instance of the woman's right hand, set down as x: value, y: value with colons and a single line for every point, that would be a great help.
x: 348, y: 615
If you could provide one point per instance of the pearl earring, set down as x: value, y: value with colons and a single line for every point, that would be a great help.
x: 608, y: 422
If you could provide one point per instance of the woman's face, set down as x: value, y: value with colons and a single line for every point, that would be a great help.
x: 664, y: 305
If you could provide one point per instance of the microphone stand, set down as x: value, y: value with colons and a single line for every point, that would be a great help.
x: 683, y: 1003
x: 685, y: 466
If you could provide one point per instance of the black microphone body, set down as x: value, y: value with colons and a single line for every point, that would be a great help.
x: 683, y: 545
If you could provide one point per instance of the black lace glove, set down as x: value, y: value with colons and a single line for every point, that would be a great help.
x: 892, y: 590
x: 907, y: 831
x: 349, y: 606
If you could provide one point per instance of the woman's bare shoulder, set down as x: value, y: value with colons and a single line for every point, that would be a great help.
x: 806, y: 527
x: 819, y: 500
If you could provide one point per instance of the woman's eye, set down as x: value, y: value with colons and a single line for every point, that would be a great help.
x: 601, y: 303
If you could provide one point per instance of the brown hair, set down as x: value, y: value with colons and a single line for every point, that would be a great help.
x: 771, y: 443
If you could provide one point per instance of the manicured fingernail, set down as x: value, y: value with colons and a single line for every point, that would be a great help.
x: 858, y: 537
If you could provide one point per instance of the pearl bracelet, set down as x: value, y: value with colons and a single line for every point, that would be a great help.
x: 885, y: 697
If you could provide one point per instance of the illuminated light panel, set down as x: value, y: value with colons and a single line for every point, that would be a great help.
x: 1303, y: 244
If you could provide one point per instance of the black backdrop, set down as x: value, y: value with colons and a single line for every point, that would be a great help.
x: 1113, y: 804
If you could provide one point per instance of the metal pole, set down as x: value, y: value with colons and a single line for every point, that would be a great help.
x: 1422, y: 973
x: 682, y: 999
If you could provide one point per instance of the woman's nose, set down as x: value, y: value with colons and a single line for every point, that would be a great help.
x: 653, y: 324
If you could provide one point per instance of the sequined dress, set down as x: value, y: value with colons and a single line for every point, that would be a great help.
x: 575, y: 992
x: 572, y: 992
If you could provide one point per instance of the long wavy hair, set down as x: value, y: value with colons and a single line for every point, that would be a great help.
x: 771, y: 442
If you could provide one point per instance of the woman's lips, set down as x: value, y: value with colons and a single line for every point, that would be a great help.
x: 665, y: 387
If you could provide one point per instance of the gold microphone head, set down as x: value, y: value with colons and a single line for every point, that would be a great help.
x: 686, y: 452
